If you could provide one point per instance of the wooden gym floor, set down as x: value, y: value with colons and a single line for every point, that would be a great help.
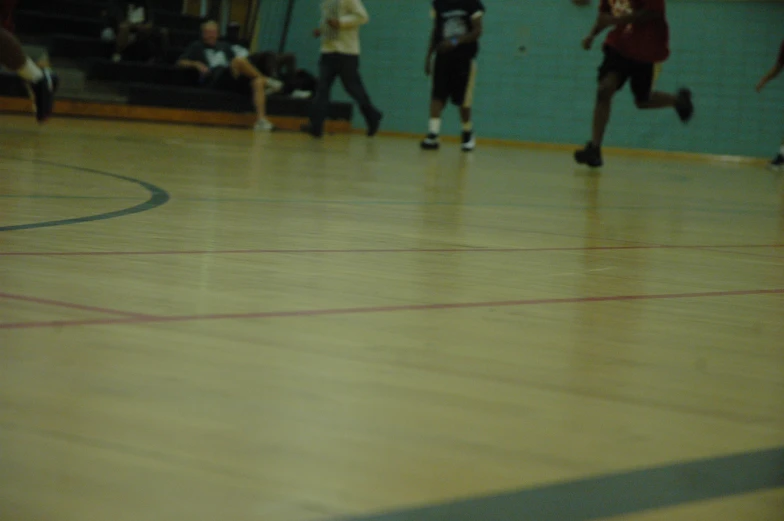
x: 201, y: 324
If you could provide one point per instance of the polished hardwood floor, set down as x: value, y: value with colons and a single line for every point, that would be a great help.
x: 203, y: 323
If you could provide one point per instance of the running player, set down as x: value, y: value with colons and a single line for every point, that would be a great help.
x: 43, y: 82
x: 636, y: 46
x: 778, y: 161
x: 455, y: 42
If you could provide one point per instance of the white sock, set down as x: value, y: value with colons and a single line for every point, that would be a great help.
x: 435, y: 126
x: 30, y: 71
x: 468, y: 126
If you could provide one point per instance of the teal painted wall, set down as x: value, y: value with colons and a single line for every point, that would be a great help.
x: 719, y: 49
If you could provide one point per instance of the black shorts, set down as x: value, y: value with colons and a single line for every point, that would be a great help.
x: 640, y: 74
x: 222, y: 79
x: 453, y: 78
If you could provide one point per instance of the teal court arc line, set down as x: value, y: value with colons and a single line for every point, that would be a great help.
x: 611, y: 495
x: 158, y: 197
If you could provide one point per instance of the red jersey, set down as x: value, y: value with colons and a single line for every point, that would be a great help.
x: 646, y: 42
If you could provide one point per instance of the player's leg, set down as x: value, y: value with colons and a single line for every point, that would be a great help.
x: 352, y: 82
x: 463, y: 96
x: 42, y: 81
x: 328, y: 72
x: 642, y: 79
x: 439, y: 93
x: 609, y: 82
x: 778, y: 162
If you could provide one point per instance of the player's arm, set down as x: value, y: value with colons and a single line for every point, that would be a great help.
x: 357, y: 15
x: 476, y: 30
x: 431, y: 44
x: 773, y: 72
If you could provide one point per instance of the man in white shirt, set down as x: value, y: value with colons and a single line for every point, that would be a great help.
x: 339, y: 32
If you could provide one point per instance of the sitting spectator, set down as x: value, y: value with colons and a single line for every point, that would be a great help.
x: 272, y: 65
x: 221, y: 69
x: 136, y: 36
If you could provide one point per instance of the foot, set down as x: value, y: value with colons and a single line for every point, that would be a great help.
x: 777, y: 163
x: 309, y: 129
x: 272, y: 86
x: 591, y: 155
x: 469, y: 141
x: 43, y: 92
x: 683, y: 105
x: 264, y: 125
x: 373, y: 123
x: 430, y: 142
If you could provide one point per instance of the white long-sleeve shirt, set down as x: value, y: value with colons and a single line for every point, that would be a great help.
x: 351, y: 14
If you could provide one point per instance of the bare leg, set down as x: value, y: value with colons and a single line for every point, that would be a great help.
x: 465, y: 114
x: 601, y: 113
x: 436, y: 108
x: 242, y: 67
x: 259, y: 99
x: 12, y: 56
x: 658, y: 100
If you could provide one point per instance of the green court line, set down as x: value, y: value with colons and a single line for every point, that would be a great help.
x: 617, y: 494
x: 157, y: 197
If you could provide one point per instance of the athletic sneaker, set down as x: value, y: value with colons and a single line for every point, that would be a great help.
x: 430, y: 142
x: 373, y: 123
x: 777, y: 163
x: 43, y: 91
x: 469, y: 141
x: 590, y: 155
x: 264, y: 125
x: 684, y: 106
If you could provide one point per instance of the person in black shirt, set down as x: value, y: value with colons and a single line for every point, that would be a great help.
x: 455, y: 42
x: 221, y: 69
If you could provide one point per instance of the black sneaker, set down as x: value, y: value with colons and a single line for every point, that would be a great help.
x: 308, y: 128
x: 590, y: 155
x: 684, y: 106
x: 43, y: 92
x: 777, y: 163
x: 469, y: 142
x: 430, y: 142
x: 373, y: 123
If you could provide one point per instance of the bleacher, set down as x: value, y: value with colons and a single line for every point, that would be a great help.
x: 71, y: 32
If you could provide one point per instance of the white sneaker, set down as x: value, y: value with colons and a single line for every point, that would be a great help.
x: 264, y: 125
x: 273, y: 86
x: 468, y: 141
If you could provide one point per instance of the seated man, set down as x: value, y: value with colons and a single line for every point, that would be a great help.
x: 221, y: 69
x: 127, y: 18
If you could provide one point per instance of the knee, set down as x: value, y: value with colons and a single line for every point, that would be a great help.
x: 605, y: 92
x: 258, y: 84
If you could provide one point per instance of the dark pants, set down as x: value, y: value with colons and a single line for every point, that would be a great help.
x: 346, y: 66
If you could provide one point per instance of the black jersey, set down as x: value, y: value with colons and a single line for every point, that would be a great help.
x: 454, y: 18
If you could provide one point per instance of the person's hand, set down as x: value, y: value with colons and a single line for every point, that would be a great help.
x: 587, y: 42
x: 316, y: 33
x: 428, y: 66
x: 334, y: 23
x: 203, y: 69
x: 445, y: 46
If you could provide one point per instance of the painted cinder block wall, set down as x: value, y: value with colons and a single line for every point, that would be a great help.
x: 719, y: 49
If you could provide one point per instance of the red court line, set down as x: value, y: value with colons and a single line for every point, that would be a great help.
x: 390, y: 250
x: 70, y: 305
x: 382, y: 309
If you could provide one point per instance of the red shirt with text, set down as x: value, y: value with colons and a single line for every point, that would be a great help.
x: 645, y: 41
